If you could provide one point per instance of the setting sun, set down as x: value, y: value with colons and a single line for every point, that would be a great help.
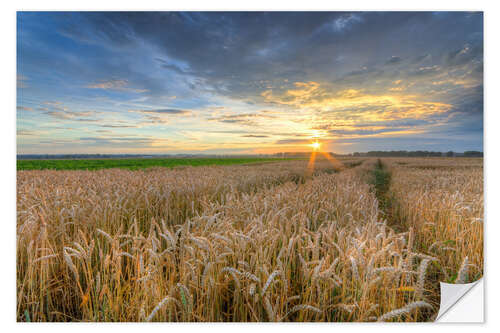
x: 178, y: 144
x: 315, y: 145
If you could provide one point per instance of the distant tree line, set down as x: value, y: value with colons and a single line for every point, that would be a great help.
x: 375, y: 153
x: 473, y: 153
x: 130, y: 156
x: 418, y: 153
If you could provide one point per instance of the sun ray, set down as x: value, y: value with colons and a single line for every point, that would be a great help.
x: 312, y: 160
x: 335, y: 163
x: 316, y: 145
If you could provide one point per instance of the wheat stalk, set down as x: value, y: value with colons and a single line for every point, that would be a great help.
x: 404, y: 310
x: 463, y: 272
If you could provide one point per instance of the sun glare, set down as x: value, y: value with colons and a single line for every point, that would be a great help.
x: 316, y: 145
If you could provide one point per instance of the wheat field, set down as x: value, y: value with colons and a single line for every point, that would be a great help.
x: 278, y: 241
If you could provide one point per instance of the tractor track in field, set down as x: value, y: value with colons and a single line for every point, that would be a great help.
x: 387, y: 202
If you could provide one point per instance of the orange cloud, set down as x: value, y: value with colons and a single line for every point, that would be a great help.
x: 312, y: 96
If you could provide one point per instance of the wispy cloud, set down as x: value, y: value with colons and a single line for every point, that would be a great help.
x: 164, y: 111
x: 247, y: 119
x: 63, y: 113
x: 119, y: 85
x: 21, y: 81
x: 24, y: 108
x: 118, y: 126
x: 254, y: 136
x: 293, y: 141
x: 27, y: 132
x: 393, y: 60
x: 345, y: 22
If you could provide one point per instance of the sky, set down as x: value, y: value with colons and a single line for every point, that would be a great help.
x: 248, y: 82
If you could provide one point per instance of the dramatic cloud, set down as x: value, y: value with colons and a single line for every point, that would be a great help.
x: 218, y: 81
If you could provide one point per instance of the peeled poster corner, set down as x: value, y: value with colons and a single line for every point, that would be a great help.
x: 462, y: 303
x: 249, y: 166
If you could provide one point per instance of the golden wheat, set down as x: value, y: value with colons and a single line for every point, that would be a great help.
x: 270, y: 242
